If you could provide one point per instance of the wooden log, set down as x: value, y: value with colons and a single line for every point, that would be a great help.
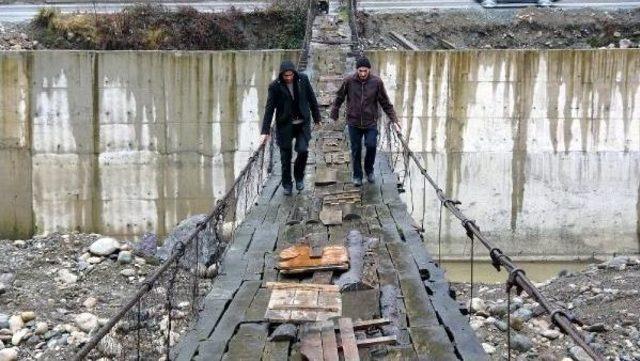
x: 362, y: 265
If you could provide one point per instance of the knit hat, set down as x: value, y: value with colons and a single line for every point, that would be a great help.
x: 363, y: 62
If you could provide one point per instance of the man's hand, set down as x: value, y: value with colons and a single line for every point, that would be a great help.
x: 264, y: 138
x: 396, y: 126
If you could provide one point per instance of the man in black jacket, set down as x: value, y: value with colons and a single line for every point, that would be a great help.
x: 363, y: 92
x: 294, y: 102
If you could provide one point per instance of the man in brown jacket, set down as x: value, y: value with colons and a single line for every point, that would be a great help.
x: 363, y: 91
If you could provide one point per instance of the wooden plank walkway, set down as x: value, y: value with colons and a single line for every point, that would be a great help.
x: 410, y: 288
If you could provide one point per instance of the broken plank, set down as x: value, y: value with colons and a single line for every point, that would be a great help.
x: 348, y: 340
x: 247, y: 343
x: 311, y: 342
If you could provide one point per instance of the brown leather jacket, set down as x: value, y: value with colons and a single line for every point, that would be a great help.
x: 363, y: 97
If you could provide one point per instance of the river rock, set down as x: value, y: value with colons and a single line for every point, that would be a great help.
x: 77, y: 338
x: 4, y: 321
x: 520, y: 342
x: 104, y: 246
x: 19, y: 336
x: 618, y: 262
x: 501, y: 325
x: 28, y: 316
x: 498, y: 309
x: 597, y: 327
x: 9, y: 354
x: 125, y: 257
x: 128, y: 272
x: 41, y: 328
x: 86, y: 321
x: 15, y: 323
x: 109, y: 346
x: 90, y: 302
x: 207, y: 246
x: 488, y: 348
x: 477, y: 304
x: 147, y: 246
x: 550, y: 334
x: 578, y: 354
x: 524, y: 313
x: 67, y: 277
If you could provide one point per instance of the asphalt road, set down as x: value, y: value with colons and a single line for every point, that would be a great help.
x: 23, y: 12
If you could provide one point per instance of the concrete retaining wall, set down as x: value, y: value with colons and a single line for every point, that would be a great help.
x: 123, y: 143
x: 542, y: 146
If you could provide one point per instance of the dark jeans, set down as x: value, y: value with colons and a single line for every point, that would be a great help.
x: 370, y: 136
x: 302, y: 149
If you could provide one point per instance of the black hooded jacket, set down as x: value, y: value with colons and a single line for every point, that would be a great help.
x: 285, y: 107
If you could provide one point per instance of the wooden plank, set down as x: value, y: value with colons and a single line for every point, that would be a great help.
x: 311, y: 342
x: 247, y: 343
x: 322, y: 277
x: 207, y: 319
x: 364, y: 304
x: 366, y: 324
x: 329, y: 344
x: 315, y: 269
x: 214, y: 347
x: 331, y: 215
x: 432, y: 343
x: 308, y: 286
x: 276, y: 351
x: 325, y: 176
x: 270, y: 273
x: 297, y: 259
x: 258, y: 306
x: 382, y: 340
x: 466, y: 343
x: 348, y: 340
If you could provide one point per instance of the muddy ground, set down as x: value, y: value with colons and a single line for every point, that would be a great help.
x: 529, y: 28
x: 604, y: 297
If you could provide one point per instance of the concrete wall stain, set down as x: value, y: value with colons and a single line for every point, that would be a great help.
x: 525, y: 67
x: 562, y: 152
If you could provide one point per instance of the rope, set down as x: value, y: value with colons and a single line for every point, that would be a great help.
x: 559, y: 317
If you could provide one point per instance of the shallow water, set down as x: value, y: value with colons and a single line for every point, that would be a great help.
x: 484, y: 272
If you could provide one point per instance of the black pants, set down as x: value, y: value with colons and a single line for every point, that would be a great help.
x: 370, y: 136
x: 302, y: 150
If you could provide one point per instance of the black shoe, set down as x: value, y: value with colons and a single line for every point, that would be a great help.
x: 286, y: 190
x: 371, y: 178
x: 300, y: 185
x: 357, y: 182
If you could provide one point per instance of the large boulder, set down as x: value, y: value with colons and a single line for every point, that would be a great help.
x: 207, y: 246
x: 147, y: 246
